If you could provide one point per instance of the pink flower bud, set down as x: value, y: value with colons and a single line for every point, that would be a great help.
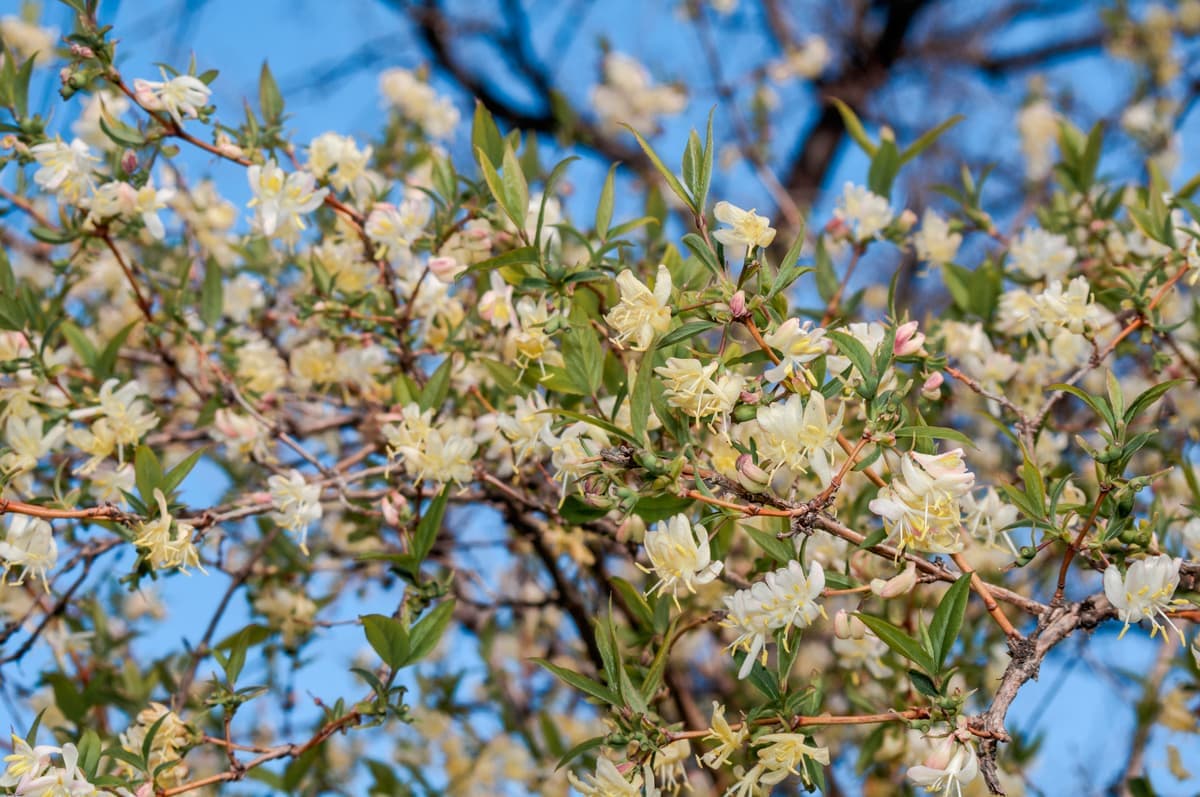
x: 932, y: 388
x: 64, y: 75
x: 908, y: 339
x: 392, y: 505
x: 897, y: 585
x: 446, y: 269
x: 751, y: 476
x: 129, y: 161
x: 737, y: 304
x: 82, y: 51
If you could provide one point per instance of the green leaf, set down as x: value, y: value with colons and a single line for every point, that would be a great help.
x: 667, y: 175
x: 604, y: 210
x: 928, y: 137
x: 853, y: 350
x: 1148, y: 397
x: 924, y: 683
x: 898, y: 641
x: 438, y: 386
x: 827, y: 281
x: 388, y: 637
x: 121, y: 133
x: 599, y: 423
x: 1098, y: 404
x: 779, y: 550
x: 80, y: 342
x: 270, y: 101
x: 934, y: 433
x: 697, y: 246
x: 685, y: 332
x: 485, y: 136
x: 584, y: 358
x: 654, y: 508
x: 1035, y: 487
x: 639, y: 397
x: 212, y: 294
x: 147, y: 473
x: 854, y: 126
x: 579, y: 749
x: 177, y: 474
x: 947, y: 620
x: 634, y: 601
x: 885, y: 164
x: 515, y: 257
x: 581, y: 682
x: 508, y: 189
x: 429, y: 525
x: 424, y: 635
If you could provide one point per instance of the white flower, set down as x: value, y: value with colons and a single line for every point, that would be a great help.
x: 629, y: 96
x: 866, y: 214
x: 338, y: 159
x: 297, y: 504
x: 1071, y: 309
x: 496, y: 306
x: 118, y: 199
x: 1042, y: 255
x: 1037, y: 124
x: 65, y: 781
x: 1145, y: 592
x: 641, y: 315
x: 607, y: 782
x: 680, y: 555
x: 934, y: 242
x: 798, y: 346
x: 281, y: 200
x: 691, y: 387
x: 26, y: 40
x: 65, y: 169
x: 785, y: 754
x: 746, y: 228
x: 729, y: 741
x: 26, y: 763
x: 28, y: 442
x: 528, y: 428
x: 241, y: 296
x: 180, y: 96
x: 987, y: 518
x: 162, y: 548
x: 795, y: 436
x: 950, y: 766
x: 29, y: 544
x: 807, y: 61
x: 784, y: 598
x: 419, y: 102
x: 394, y: 228
x: 921, y: 504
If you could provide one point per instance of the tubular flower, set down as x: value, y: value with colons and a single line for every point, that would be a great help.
x: 784, y: 598
x: 798, y: 346
x: 1145, y: 592
x: 691, y: 387
x: 297, y: 503
x: 746, y: 228
x: 65, y: 169
x: 162, y: 548
x: 180, y: 96
x: 922, y: 504
x: 29, y: 544
x: 729, y: 741
x: 951, y: 766
x: 607, y: 782
x: 797, y: 438
x: 680, y: 555
x: 785, y: 754
x: 641, y: 314
x: 281, y: 200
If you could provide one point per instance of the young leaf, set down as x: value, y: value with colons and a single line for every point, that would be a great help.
x: 388, y: 637
x: 429, y: 525
x: 581, y: 682
x: 270, y: 101
x: 424, y: 635
x: 898, y: 641
x: 947, y: 620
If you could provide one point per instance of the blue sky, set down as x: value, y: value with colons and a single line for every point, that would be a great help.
x: 1086, y: 720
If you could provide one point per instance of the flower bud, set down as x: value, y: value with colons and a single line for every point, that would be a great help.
x: 908, y: 339
x: 82, y: 51
x: 129, y: 161
x: 392, y: 505
x: 897, y: 585
x: 932, y: 388
x: 907, y: 220
x: 64, y: 75
x: 751, y: 476
x: 446, y: 269
x: 847, y: 626
x: 737, y: 304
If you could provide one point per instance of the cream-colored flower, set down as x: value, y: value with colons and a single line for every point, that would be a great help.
x: 680, y: 556
x: 641, y: 315
x: 746, y: 228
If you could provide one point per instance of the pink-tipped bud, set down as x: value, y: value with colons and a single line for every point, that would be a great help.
x: 908, y: 339
x: 82, y: 51
x: 445, y: 269
x: 907, y: 220
x: 129, y: 161
x: 64, y: 75
x: 897, y: 585
x: 932, y: 388
x: 737, y: 304
x: 392, y: 505
x: 751, y: 476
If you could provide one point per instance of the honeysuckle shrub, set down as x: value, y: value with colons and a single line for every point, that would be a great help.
x: 626, y: 502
